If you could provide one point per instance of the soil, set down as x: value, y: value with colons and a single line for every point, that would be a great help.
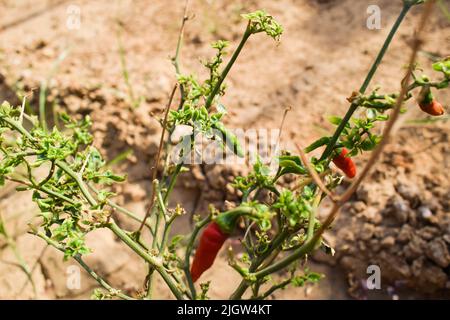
x: 398, y: 220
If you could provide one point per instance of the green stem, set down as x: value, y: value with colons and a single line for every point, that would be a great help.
x: 155, y: 262
x: 172, y: 182
x: 243, y: 286
x: 13, y: 246
x: 43, y: 189
x: 228, y: 67
x: 42, y: 102
x: 312, y: 217
x: 300, y: 252
x: 91, y: 272
x: 125, y: 211
x: 83, y: 188
x: 274, y: 288
x: 166, y: 232
x: 155, y: 239
x: 330, y: 147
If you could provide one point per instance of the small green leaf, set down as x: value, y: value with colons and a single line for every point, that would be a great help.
x: 317, y: 144
x: 335, y: 120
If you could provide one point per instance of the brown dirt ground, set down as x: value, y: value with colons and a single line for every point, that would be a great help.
x: 323, y: 56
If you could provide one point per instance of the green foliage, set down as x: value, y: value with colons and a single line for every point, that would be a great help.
x: 290, y: 164
x: 260, y: 21
x: 296, y: 209
x: 444, y: 67
x: 259, y: 177
x: 68, y: 157
x: 308, y: 277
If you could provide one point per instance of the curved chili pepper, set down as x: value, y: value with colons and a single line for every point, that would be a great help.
x: 345, y: 163
x: 428, y: 104
x: 212, y: 239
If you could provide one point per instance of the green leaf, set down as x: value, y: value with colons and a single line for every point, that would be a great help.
x: 106, y: 177
x: 317, y: 144
x: 335, y: 120
x: 175, y: 241
x: 443, y: 66
x: 291, y: 166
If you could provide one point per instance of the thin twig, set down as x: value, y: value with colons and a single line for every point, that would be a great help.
x: 304, y: 182
x: 33, y: 268
x: 22, y: 109
x: 175, y: 59
x: 286, y: 111
x: 314, y: 175
x: 158, y: 156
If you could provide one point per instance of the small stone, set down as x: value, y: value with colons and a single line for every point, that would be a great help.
x: 405, y: 233
x: 437, y: 251
x: 375, y: 245
x: 416, y: 266
x: 388, y: 242
x: 372, y: 214
x: 408, y: 191
x: 367, y: 231
x: 425, y: 212
x: 359, y: 206
x: 363, y: 193
x: 446, y: 238
x: 414, y: 249
x: 398, y: 209
x: 428, y: 233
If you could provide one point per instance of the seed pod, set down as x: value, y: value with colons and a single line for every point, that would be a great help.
x: 428, y: 104
x: 345, y: 163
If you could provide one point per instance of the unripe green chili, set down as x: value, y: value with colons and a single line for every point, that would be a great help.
x: 229, y: 139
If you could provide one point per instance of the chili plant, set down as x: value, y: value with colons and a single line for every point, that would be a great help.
x: 74, y: 196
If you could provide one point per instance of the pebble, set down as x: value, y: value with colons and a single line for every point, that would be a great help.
x: 425, y: 212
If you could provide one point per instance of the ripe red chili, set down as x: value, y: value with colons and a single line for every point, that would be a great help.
x: 428, y: 104
x: 211, y: 241
x: 345, y: 163
x: 433, y: 108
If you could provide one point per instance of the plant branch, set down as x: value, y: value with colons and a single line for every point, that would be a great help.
x: 310, y: 245
x: 155, y: 261
x: 314, y: 175
x: 330, y: 147
x: 92, y: 273
x: 228, y: 67
x: 157, y: 159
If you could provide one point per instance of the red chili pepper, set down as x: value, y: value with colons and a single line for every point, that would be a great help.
x: 345, y: 163
x: 211, y: 241
x: 433, y: 108
x: 428, y: 104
